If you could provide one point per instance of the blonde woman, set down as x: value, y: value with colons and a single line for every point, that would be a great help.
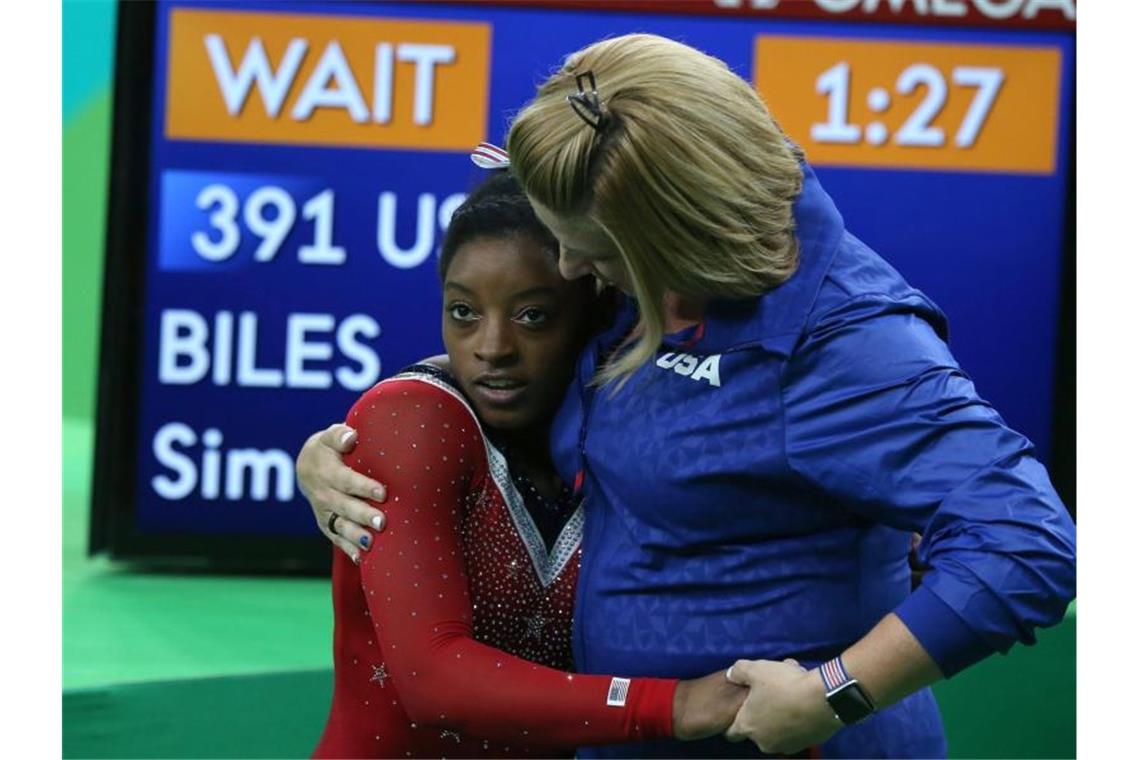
x: 772, y: 413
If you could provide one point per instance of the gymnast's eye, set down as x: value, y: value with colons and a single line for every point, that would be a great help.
x: 461, y: 312
x: 533, y: 316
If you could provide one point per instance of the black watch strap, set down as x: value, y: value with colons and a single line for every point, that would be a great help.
x: 846, y: 697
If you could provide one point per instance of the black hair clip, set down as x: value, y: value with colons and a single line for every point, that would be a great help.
x: 587, y: 104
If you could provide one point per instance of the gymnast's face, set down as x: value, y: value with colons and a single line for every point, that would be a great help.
x: 513, y: 328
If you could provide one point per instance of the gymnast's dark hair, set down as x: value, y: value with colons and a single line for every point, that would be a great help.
x: 497, y: 208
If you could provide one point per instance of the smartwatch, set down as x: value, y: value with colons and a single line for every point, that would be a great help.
x: 846, y: 697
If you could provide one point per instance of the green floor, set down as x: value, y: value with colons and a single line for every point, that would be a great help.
x: 222, y: 666
x: 161, y: 665
x: 123, y: 626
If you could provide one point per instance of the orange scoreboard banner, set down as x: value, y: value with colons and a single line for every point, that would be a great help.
x: 327, y: 80
x: 914, y: 105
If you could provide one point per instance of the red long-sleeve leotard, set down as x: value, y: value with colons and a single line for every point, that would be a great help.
x: 432, y: 628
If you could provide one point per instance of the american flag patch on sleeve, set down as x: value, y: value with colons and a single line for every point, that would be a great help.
x: 619, y: 690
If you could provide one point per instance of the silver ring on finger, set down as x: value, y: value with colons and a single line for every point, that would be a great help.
x: 332, y: 523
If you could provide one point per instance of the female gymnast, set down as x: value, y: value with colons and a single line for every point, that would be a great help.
x: 465, y: 656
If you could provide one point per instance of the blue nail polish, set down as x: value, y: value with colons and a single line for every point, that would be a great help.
x: 364, y: 541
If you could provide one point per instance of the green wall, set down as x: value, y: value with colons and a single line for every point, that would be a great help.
x: 88, y: 55
x: 86, y: 148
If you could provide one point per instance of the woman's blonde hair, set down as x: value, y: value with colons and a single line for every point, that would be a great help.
x: 687, y: 173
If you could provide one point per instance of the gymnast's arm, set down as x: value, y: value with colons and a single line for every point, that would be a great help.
x: 426, y: 445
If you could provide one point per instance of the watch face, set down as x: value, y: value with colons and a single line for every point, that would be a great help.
x: 850, y: 703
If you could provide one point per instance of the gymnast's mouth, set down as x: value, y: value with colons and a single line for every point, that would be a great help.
x: 499, y: 389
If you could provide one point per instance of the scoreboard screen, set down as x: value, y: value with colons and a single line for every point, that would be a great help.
x: 283, y: 173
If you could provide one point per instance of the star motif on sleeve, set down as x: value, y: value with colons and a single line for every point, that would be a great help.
x: 534, y: 626
x: 446, y: 734
x: 379, y: 674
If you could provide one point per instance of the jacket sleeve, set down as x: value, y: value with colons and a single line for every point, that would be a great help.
x: 880, y: 416
x: 426, y: 446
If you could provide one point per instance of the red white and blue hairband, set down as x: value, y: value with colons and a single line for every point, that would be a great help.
x: 489, y: 156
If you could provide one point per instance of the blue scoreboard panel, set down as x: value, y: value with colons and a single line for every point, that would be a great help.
x: 283, y: 174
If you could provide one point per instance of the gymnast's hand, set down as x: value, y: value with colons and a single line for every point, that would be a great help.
x: 705, y: 706
x: 335, y: 489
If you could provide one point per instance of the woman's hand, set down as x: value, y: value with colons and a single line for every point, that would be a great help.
x: 786, y: 709
x: 332, y: 487
x: 705, y: 706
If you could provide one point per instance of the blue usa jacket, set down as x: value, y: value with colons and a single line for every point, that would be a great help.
x: 751, y: 493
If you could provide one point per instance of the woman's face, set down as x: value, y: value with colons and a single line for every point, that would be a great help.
x: 513, y: 328
x: 585, y: 248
